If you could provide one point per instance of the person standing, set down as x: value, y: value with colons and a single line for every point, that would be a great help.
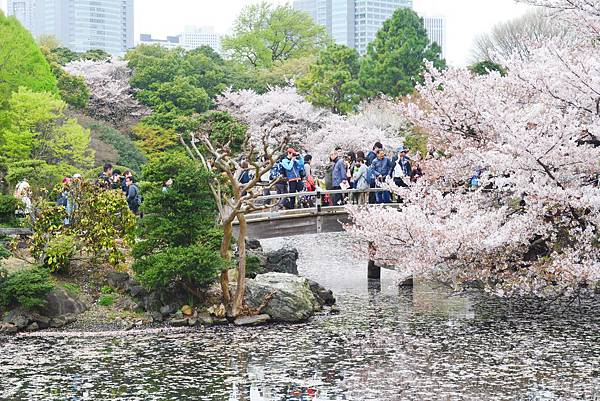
x: 402, y: 169
x: 293, y: 165
x: 359, y: 178
x: 338, y: 176
x: 105, y: 179
x: 134, y: 199
x: 167, y: 185
x: 372, y: 155
x: 382, y: 167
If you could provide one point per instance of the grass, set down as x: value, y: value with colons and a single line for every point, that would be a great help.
x: 106, y: 300
x: 72, y: 288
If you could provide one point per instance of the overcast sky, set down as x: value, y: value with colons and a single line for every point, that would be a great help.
x: 465, y: 19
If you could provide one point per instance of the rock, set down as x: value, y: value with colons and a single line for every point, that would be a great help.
x: 155, y: 317
x: 152, y: 301
x: 117, y: 280
x: 59, y: 302
x: 282, y: 261
x: 178, y: 314
x: 168, y: 309
x: 334, y: 310
x: 253, y: 244
x: 32, y: 327
x: 19, y: 317
x: 252, y: 320
x: 57, y: 322
x: 220, y: 321
x: 43, y: 322
x: 136, y: 291
x: 179, y: 322
x: 291, y: 297
x: 187, y: 310
x: 8, y: 328
x: 322, y: 294
x: 205, y: 318
x: 217, y: 310
x: 192, y: 322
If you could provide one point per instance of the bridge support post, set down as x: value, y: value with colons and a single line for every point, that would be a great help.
x: 373, y: 271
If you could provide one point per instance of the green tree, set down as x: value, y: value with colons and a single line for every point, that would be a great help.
x: 95, y: 55
x: 264, y: 34
x: 486, y: 66
x: 179, y: 241
x: 36, y: 127
x: 153, y: 140
x: 21, y: 62
x: 72, y: 89
x: 333, y: 80
x: 64, y: 55
x: 394, y: 60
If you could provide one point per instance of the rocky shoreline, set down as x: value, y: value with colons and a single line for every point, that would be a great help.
x: 274, y: 294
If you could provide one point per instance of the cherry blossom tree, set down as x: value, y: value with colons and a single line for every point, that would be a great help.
x: 111, y: 96
x: 314, y: 130
x: 531, y: 227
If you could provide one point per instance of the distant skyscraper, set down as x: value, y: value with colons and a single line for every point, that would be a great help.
x: 82, y: 25
x: 436, y: 30
x: 170, y: 42
x: 23, y: 11
x: 194, y: 37
x: 353, y: 23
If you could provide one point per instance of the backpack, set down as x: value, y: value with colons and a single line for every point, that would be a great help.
x: 371, y: 176
x: 302, y: 173
x: 276, y: 171
x: 62, y: 199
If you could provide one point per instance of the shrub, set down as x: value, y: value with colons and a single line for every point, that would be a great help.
x: 25, y: 287
x: 59, y: 252
x: 8, y: 205
x: 129, y: 154
x: 39, y: 174
x: 191, y: 266
x: 106, y: 300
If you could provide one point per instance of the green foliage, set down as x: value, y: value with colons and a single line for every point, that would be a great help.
x: 71, y: 288
x: 264, y: 34
x: 486, y: 66
x: 252, y: 266
x: 153, y: 139
x: 73, y: 90
x: 332, y: 81
x: 60, y: 250
x: 25, y: 287
x: 394, y: 60
x: 223, y: 129
x: 416, y: 141
x: 64, y: 55
x: 22, y: 62
x: 38, y: 129
x: 101, y: 225
x: 39, y: 174
x: 192, y: 266
x: 129, y: 154
x: 106, y: 290
x: 179, y: 242
x: 176, y: 83
x: 8, y: 205
x: 95, y: 55
x: 106, y: 300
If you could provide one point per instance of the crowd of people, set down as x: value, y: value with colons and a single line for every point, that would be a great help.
x: 293, y: 173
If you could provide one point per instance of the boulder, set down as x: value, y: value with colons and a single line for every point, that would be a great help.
x: 18, y: 317
x: 152, y: 302
x: 117, y: 280
x: 322, y: 294
x: 253, y: 244
x: 291, y: 299
x: 59, y: 302
x: 43, y: 322
x: 205, y: 318
x: 252, y: 320
x: 187, y: 310
x: 168, y: 309
x: 8, y: 328
x: 179, y: 322
x: 282, y: 261
x: 32, y: 327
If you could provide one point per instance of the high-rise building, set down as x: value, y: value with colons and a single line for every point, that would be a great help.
x: 353, y: 23
x: 23, y: 11
x: 194, y: 37
x: 436, y: 30
x: 171, y: 42
x: 82, y: 25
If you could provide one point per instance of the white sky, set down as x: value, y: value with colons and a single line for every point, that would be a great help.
x: 465, y: 19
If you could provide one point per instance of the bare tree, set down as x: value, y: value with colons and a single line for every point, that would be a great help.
x: 519, y: 36
x: 235, y: 200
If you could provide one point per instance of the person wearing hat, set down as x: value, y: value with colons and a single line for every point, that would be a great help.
x: 293, y: 166
x: 401, y: 167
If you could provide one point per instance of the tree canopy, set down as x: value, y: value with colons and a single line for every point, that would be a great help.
x: 21, y: 62
x: 332, y: 81
x: 394, y: 60
x: 264, y: 34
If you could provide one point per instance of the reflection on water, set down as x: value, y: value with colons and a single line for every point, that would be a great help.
x: 387, y: 343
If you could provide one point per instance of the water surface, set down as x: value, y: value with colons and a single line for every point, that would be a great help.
x: 388, y: 343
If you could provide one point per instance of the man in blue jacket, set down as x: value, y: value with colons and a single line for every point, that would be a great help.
x: 293, y: 165
x: 382, y: 167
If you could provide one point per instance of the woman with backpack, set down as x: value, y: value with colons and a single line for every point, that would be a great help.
x: 359, y: 179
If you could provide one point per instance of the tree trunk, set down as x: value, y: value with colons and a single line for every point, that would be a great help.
x: 225, y: 254
x: 238, y: 301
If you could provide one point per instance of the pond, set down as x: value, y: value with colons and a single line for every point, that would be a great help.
x: 387, y: 343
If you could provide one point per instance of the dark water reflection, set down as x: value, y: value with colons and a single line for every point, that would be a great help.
x: 386, y: 344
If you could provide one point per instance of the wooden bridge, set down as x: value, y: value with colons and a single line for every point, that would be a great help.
x: 317, y: 219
